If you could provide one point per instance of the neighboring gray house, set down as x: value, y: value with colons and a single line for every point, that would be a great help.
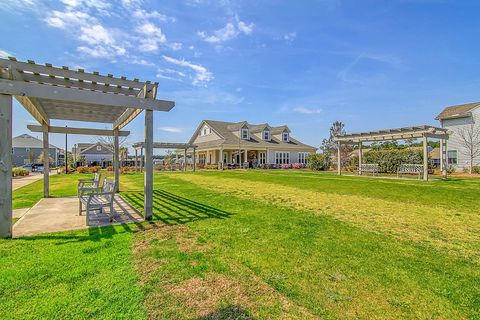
x: 27, y: 149
x: 241, y: 142
x: 459, y: 118
x: 93, y: 154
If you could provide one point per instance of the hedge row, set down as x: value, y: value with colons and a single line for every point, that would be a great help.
x: 390, y: 160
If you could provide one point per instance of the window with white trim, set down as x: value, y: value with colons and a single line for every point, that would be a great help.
x: 285, y: 137
x: 302, y: 157
x: 452, y: 157
x: 262, y: 157
x: 201, y: 158
x: 282, y: 157
x: 266, y: 135
x: 244, y: 134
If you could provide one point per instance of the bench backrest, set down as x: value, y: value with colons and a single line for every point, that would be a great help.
x: 410, y: 168
x: 108, y: 187
x: 96, y: 179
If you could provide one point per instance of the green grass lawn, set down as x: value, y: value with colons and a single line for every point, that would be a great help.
x: 257, y: 244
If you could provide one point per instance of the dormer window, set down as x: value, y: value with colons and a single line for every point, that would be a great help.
x: 244, y: 134
x: 285, y: 137
x: 266, y: 135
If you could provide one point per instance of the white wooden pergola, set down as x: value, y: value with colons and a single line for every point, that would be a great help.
x: 50, y: 93
x: 417, y: 132
x: 163, y: 145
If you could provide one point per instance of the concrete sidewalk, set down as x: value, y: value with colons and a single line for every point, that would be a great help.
x: 23, y: 181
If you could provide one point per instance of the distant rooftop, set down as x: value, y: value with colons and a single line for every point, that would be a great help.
x: 27, y: 141
x: 457, y: 111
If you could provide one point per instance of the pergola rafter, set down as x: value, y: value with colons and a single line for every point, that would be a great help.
x: 416, y: 132
x: 52, y: 93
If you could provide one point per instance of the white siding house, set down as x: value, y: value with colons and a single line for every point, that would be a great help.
x: 457, y: 119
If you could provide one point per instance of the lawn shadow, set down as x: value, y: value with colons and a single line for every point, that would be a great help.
x: 230, y: 312
x: 171, y: 209
x: 168, y: 209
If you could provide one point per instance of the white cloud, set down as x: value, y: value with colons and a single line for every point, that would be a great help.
x: 289, y: 37
x: 230, y: 31
x: 171, y: 129
x: 96, y: 34
x: 4, y: 54
x: 306, y: 110
x: 144, y: 15
x: 152, y: 38
x: 201, y: 74
x: 68, y: 19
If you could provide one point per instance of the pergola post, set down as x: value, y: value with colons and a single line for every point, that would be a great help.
x: 339, y: 160
x: 148, y: 176
x: 360, y: 158
x: 116, y: 165
x: 194, y: 159
x: 443, y: 157
x: 5, y: 166
x: 185, y: 160
x: 425, y: 158
x: 136, y: 160
x: 46, y: 162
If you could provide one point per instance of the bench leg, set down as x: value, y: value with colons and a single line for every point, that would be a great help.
x: 79, y: 207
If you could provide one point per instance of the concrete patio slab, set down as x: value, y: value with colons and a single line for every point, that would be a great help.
x: 61, y: 214
x: 18, y: 213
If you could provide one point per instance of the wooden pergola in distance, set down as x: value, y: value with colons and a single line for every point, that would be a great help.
x: 50, y: 93
x: 417, y: 132
x: 164, y: 145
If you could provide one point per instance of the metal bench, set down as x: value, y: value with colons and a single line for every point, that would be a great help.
x: 410, y: 168
x: 86, y: 186
x: 369, y: 168
x: 97, y: 200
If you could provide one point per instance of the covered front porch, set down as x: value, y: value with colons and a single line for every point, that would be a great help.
x: 232, y: 156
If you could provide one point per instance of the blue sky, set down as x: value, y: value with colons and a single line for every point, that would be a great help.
x: 370, y: 64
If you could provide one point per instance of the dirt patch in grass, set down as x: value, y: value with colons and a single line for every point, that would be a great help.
x: 454, y: 230
x: 184, y: 278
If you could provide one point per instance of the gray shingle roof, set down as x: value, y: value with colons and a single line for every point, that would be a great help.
x: 461, y: 110
x: 27, y: 141
x: 226, y: 131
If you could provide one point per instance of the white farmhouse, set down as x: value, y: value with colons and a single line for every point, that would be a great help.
x: 459, y: 119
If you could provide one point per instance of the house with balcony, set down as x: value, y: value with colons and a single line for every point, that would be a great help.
x: 242, y: 143
x: 27, y: 150
x: 93, y: 154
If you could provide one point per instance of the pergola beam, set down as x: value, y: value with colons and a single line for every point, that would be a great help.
x: 44, y: 91
x: 85, y: 131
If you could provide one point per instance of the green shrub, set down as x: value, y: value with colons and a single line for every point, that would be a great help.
x: 211, y: 166
x: 476, y: 169
x: 389, y: 160
x: 450, y: 169
x: 20, y: 172
x: 318, y: 162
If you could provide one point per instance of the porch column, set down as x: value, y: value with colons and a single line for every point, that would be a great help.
x: 148, y: 176
x: 339, y: 160
x: 425, y: 158
x: 194, y: 159
x: 136, y: 160
x: 443, y: 157
x: 46, y: 162
x: 360, y: 157
x: 141, y: 159
x: 221, y: 159
x: 116, y: 167
x: 5, y: 166
x: 185, y: 159
x: 245, y: 155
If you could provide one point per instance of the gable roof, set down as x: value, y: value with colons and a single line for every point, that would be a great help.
x: 226, y: 131
x: 457, y: 111
x: 105, y: 149
x: 27, y: 141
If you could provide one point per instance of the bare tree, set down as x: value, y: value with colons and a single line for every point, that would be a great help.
x: 109, y: 142
x: 469, y: 139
